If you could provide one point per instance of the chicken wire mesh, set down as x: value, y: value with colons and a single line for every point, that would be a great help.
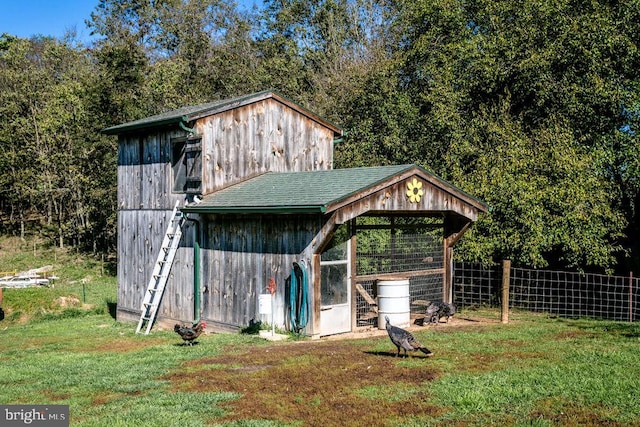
x: 476, y: 285
x: 399, y: 253
x: 421, y: 288
x: 414, y: 252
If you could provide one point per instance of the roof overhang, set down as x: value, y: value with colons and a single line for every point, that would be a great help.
x: 357, y: 190
x: 263, y: 210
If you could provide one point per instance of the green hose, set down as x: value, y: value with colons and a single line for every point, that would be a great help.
x: 298, y: 297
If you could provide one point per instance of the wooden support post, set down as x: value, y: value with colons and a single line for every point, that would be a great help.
x: 353, y: 271
x: 315, y: 268
x: 506, y: 279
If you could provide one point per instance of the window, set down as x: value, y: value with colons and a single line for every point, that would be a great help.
x: 186, y: 165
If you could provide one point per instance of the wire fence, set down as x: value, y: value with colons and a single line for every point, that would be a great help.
x: 417, y: 256
x: 562, y: 293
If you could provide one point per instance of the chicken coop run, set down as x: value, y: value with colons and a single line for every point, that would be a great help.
x: 258, y: 207
x: 398, y: 247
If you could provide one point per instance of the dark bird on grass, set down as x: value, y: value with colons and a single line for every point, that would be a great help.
x: 401, y: 338
x: 437, y: 310
x: 189, y: 333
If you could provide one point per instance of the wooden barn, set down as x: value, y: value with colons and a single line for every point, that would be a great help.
x: 223, y: 203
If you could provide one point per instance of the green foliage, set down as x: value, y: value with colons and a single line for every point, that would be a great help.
x: 531, y: 106
x: 52, y: 152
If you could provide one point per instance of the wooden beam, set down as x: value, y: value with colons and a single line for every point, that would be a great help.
x: 315, y: 261
x: 506, y: 279
x: 414, y: 273
x: 368, y: 298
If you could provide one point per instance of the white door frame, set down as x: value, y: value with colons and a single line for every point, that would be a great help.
x: 336, y: 318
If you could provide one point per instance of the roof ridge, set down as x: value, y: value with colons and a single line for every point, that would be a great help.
x: 193, y: 112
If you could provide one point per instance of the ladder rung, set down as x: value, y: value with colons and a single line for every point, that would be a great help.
x: 158, y: 281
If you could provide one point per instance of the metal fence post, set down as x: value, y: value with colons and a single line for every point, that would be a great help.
x: 506, y: 278
x: 631, y: 296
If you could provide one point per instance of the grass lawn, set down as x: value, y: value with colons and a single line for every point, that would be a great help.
x: 535, y: 370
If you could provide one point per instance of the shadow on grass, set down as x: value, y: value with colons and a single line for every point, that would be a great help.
x: 112, y: 307
x: 184, y: 344
x: 624, y: 329
x: 393, y: 354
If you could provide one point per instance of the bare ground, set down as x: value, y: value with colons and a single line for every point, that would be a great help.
x: 329, y: 382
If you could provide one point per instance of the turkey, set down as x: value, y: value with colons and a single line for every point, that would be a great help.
x: 401, y: 338
x: 437, y: 310
x: 189, y: 333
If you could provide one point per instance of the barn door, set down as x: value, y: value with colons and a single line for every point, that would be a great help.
x: 335, y: 290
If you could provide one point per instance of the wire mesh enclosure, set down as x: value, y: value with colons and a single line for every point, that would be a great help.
x: 561, y: 293
x: 410, y: 248
x: 572, y: 294
x: 476, y: 285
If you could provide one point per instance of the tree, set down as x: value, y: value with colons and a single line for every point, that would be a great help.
x: 527, y: 103
x: 48, y: 137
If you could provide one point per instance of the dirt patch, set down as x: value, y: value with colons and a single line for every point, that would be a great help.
x: 316, y: 383
x: 563, y: 413
x: 69, y: 301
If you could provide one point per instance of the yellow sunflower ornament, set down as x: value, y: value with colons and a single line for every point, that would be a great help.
x: 414, y: 190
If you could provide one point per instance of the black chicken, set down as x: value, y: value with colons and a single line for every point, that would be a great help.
x: 189, y: 333
x: 437, y: 310
x: 401, y: 338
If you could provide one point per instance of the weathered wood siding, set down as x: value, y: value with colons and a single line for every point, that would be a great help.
x: 236, y: 144
x: 139, y: 240
x: 145, y: 179
x: 261, y: 137
x: 393, y: 198
x: 145, y: 204
x: 239, y: 256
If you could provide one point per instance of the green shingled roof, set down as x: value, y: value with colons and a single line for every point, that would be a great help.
x: 299, y: 192
x: 185, y: 115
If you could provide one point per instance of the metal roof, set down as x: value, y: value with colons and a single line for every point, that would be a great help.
x: 306, y: 192
x: 185, y: 115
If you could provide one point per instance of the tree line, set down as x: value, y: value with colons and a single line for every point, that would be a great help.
x: 532, y: 107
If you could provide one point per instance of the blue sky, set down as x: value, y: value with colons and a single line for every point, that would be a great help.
x: 45, y: 17
x: 24, y: 18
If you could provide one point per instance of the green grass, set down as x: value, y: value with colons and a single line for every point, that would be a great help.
x: 104, y: 371
x: 534, y: 371
x: 539, y: 371
x: 84, y: 284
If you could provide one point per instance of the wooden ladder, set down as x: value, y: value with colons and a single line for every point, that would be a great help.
x: 160, y: 274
